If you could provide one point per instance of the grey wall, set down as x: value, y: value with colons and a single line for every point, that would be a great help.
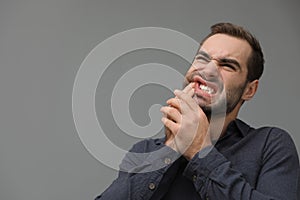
x: 42, y: 45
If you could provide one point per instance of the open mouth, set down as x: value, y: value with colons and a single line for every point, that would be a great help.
x: 203, y: 87
x: 206, y: 89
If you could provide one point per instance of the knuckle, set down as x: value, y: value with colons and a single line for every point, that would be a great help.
x: 172, y: 111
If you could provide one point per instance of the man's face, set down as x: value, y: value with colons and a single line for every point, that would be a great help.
x: 219, y: 72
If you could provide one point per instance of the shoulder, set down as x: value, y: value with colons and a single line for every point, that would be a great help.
x: 271, y: 139
x: 269, y: 133
x: 275, y: 135
x: 280, y: 139
x: 278, y: 144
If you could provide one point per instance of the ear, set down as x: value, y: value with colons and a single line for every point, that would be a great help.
x: 250, y: 90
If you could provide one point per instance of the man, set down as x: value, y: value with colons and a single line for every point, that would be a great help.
x: 208, y: 153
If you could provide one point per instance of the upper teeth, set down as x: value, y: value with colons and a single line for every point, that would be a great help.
x: 206, y: 89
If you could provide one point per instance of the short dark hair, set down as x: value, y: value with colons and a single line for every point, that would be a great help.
x: 255, y: 63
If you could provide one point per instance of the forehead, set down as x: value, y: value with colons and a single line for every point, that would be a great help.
x: 225, y: 46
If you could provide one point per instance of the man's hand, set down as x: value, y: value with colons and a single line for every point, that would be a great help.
x: 186, y: 124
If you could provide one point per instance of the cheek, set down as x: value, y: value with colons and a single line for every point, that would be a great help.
x: 191, y: 69
x: 233, y: 90
x: 233, y: 80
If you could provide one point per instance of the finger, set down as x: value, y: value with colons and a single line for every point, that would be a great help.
x: 168, y: 133
x: 171, y: 113
x: 191, y: 92
x: 189, y: 87
x: 187, y: 102
x: 174, y: 102
x: 170, y: 125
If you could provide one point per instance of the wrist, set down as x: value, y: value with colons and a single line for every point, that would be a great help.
x: 171, y: 144
x: 189, y: 154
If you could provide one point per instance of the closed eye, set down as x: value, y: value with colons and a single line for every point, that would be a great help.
x: 229, y: 66
x: 202, y: 59
x: 229, y: 63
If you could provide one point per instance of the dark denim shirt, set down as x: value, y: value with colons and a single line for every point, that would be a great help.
x: 245, y: 164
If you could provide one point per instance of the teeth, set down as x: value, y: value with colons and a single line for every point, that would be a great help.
x: 206, y: 89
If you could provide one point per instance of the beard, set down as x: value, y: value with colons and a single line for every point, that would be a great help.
x: 234, y: 96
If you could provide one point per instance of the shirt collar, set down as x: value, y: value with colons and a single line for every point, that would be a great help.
x: 241, y: 126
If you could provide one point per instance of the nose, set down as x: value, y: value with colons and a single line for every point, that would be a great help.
x: 210, y: 70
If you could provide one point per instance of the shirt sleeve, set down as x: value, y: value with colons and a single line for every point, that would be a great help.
x: 140, y: 173
x: 214, y: 178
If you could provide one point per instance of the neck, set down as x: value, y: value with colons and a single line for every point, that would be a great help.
x: 218, y: 125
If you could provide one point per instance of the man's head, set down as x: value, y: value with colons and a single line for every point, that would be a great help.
x: 229, y: 58
x: 255, y: 62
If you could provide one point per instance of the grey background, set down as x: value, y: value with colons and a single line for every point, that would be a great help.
x: 42, y: 44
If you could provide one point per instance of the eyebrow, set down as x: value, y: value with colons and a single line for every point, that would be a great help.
x: 203, y: 53
x: 221, y: 60
x: 229, y: 61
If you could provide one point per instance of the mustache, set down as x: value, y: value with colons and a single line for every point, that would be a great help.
x: 190, y: 77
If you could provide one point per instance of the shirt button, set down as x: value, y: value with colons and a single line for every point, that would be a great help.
x: 151, y: 186
x: 194, y: 178
x: 167, y: 161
